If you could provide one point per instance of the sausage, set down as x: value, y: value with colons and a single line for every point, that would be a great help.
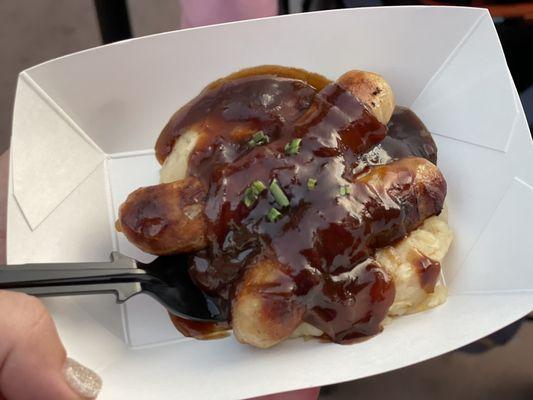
x: 266, y: 309
x: 369, y: 88
x: 166, y: 218
x: 372, y: 90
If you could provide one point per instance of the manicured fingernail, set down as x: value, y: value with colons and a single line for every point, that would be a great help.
x: 82, y: 380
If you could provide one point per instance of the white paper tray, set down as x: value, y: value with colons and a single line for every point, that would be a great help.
x: 84, y: 126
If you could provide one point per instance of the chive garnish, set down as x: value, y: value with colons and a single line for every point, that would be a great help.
x: 344, y: 190
x: 252, y: 192
x: 249, y: 197
x: 273, y: 215
x: 258, y: 186
x: 278, y: 194
x: 258, y: 139
x: 311, y: 183
x: 293, y: 147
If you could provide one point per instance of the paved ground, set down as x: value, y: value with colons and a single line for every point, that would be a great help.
x: 33, y: 31
x: 502, y: 373
x: 26, y: 38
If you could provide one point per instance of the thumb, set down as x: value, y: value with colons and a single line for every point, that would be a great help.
x: 33, y: 362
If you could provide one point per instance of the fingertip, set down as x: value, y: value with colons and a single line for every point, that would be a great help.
x: 33, y: 361
x: 82, y: 380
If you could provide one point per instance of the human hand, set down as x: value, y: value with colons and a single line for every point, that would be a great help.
x: 33, y: 362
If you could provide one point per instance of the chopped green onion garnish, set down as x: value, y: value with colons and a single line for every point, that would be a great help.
x: 278, y: 194
x: 252, y: 192
x: 273, y: 215
x: 258, y: 139
x: 344, y: 190
x: 258, y: 186
x: 249, y: 198
x: 293, y: 147
x: 311, y: 183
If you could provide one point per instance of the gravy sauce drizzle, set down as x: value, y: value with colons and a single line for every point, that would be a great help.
x: 314, y: 142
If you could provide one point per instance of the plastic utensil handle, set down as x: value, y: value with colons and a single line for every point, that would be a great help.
x: 74, y: 278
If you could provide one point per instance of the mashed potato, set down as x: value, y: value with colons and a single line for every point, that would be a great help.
x: 432, y: 239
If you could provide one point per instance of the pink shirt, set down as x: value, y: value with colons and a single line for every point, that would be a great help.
x: 208, y: 12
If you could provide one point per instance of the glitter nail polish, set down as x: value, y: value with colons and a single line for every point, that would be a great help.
x: 81, y: 379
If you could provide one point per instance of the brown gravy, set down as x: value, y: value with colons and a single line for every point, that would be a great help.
x: 323, y: 239
x: 200, y: 330
x: 428, y: 270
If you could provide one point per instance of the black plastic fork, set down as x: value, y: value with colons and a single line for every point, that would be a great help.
x: 165, y: 279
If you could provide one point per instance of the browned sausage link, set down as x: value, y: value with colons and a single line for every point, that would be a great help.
x: 265, y: 310
x: 397, y: 198
x: 392, y: 200
x: 293, y: 97
x: 166, y: 218
x: 195, y: 111
x: 372, y: 90
x: 412, y: 187
x: 235, y: 111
